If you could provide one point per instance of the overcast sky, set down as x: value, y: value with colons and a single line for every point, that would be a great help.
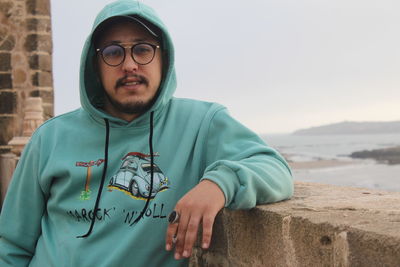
x: 278, y: 65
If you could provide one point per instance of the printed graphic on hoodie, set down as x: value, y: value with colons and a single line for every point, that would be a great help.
x: 85, y: 194
x: 134, y: 177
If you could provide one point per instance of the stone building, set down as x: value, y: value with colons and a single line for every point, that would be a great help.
x: 25, y: 72
x: 25, y: 63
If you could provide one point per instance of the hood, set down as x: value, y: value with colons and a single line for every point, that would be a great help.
x: 91, y: 90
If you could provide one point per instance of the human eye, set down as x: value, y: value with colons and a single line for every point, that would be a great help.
x: 142, y: 49
x: 113, y: 51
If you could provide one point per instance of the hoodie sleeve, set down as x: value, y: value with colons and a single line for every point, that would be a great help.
x: 243, y: 166
x: 22, y: 211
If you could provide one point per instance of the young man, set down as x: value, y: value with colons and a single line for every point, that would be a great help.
x: 94, y: 187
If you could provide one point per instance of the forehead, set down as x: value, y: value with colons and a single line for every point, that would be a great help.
x: 124, y: 32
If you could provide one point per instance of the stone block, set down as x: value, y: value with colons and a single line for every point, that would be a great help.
x: 31, y: 42
x: 42, y: 79
x: 8, y: 44
x: 8, y: 102
x: 7, y: 129
x: 46, y: 95
x: 5, y: 81
x: 313, y: 242
x: 19, y: 77
x: 18, y: 60
x: 321, y: 225
x: 39, y: 42
x: 38, y: 7
x: 366, y: 249
x: 41, y: 62
x: 5, y: 61
x: 38, y: 25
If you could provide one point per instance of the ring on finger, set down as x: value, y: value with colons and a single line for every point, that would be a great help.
x: 173, y: 217
x: 174, y: 239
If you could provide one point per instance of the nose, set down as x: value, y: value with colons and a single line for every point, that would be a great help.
x: 129, y: 65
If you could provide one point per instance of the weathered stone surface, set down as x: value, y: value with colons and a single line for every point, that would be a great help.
x: 7, y: 165
x: 40, y: 62
x: 42, y: 79
x: 19, y: 77
x: 38, y: 42
x: 37, y: 7
x: 18, y: 60
x: 4, y: 149
x: 31, y: 42
x: 8, y: 102
x: 3, y: 31
x: 8, y: 43
x: 38, y: 25
x: 48, y: 110
x: 321, y: 225
x: 46, y: 95
x: 5, y: 81
x: 5, y: 61
x: 7, y: 131
x: 5, y: 7
x: 25, y: 57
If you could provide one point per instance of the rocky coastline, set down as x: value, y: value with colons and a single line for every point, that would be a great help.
x: 389, y: 155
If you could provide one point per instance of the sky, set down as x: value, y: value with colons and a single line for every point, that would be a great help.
x: 277, y: 65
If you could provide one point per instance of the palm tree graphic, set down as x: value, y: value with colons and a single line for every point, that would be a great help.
x: 85, y: 194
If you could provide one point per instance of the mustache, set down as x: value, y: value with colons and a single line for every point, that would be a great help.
x: 122, y: 80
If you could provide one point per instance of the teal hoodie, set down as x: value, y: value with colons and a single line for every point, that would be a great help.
x: 53, y: 192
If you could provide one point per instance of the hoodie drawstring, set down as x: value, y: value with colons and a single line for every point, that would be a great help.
x: 96, y: 205
x: 151, y: 171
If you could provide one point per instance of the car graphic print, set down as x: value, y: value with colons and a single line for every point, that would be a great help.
x: 134, y: 177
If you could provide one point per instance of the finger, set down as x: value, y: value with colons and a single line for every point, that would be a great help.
x: 208, y: 223
x: 181, y: 233
x: 171, y: 233
x: 191, y: 236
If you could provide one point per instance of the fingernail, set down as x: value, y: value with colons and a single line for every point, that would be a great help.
x: 205, y: 245
x: 177, y: 256
x: 185, y: 254
x: 168, y: 247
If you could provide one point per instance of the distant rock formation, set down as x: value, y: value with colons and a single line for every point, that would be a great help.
x: 350, y: 127
x: 387, y: 155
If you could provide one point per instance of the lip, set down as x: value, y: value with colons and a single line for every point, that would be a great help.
x: 131, y: 83
x: 131, y: 86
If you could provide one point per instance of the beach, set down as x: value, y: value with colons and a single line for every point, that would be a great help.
x: 318, y: 164
x: 329, y: 160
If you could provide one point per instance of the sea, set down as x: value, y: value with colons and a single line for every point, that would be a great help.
x: 367, y: 173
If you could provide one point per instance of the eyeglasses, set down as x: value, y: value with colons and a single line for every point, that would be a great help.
x: 114, y: 54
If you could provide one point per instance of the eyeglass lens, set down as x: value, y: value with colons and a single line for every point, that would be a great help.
x: 114, y: 54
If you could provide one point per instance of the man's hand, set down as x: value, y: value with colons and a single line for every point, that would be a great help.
x: 199, y: 205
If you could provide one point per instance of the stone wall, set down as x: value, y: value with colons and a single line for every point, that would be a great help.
x: 321, y: 225
x: 25, y: 62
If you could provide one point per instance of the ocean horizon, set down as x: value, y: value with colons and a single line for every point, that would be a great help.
x: 330, y: 163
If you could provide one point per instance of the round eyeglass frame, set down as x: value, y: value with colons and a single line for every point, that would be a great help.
x: 124, y: 46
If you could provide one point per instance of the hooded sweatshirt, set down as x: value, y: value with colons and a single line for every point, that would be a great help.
x: 136, y: 172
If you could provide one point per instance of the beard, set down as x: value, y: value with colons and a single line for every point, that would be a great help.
x: 134, y: 107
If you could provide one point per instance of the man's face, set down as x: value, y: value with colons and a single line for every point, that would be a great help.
x: 130, y: 87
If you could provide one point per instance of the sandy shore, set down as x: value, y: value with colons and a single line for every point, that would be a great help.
x: 319, y: 164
